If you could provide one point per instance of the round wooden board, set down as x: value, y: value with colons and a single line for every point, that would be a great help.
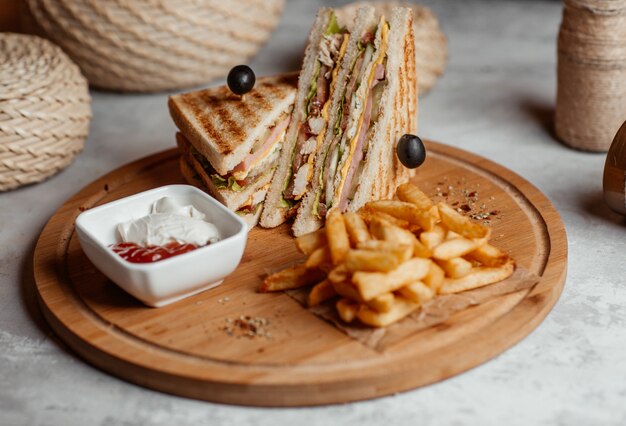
x: 185, y: 349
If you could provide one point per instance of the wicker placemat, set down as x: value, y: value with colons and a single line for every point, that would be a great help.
x: 45, y: 110
x: 148, y: 45
x: 431, y: 44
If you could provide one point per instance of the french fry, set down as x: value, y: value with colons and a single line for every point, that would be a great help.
x: 372, y: 284
x: 479, y: 277
x: 431, y: 219
x: 402, y: 252
x: 337, y: 236
x: 420, y: 250
x: 456, y: 247
x: 488, y: 255
x: 400, y: 309
x: 368, y: 260
x: 460, y: 224
x: 417, y: 292
x: 339, y: 273
x: 384, y: 230
x: 435, y: 277
x: 451, y: 235
x: 369, y: 215
x: 348, y: 290
x: 347, y: 309
x: 391, y: 257
x: 405, y: 211
x: 455, y: 268
x: 320, y: 293
x: 308, y: 243
x: 434, y: 237
x: 318, y: 257
x: 357, y: 229
x: 382, y: 303
x: 294, y: 277
x: 412, y: 194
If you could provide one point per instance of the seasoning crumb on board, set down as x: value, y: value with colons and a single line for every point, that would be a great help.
x: 247, y: 326
x: 465, y: 198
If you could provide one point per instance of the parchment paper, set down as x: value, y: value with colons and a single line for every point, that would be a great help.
x: 432, y: 313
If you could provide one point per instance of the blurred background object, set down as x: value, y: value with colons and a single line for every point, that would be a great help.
x: 615, y: 173
x: 147, y: 46
x: 431, y: 44
x: 10, y: 15
x: 45, y: 110
x: 591, y: 93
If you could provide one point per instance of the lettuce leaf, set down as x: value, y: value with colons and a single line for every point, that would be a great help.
x: 286, y: 204
x: 313, y: 87
x: 230, y: 183
x: 333, y: 26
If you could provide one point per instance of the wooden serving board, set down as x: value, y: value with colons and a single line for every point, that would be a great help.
x: 189, y: 348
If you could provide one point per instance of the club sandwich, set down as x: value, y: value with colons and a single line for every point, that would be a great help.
x: 230, y: 146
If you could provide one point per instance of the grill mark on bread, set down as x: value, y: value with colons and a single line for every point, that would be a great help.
x: 197, y: 103
x: 248, y: 113
x: 220, y: 113
x: 231, y: 130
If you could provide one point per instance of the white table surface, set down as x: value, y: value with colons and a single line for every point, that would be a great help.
x: 495, y: 99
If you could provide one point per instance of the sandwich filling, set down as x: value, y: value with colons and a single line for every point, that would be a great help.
x: 261, y: 159
x: 254, y: 202
x: 250, y: 206
x: 312, y: 128
x: 256, y: 166
x: 356, y: 116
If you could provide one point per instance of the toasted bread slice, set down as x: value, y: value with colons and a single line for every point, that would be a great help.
x: 223, y: 127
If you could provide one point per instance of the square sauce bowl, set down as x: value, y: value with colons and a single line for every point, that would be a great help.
x: 169, y: 280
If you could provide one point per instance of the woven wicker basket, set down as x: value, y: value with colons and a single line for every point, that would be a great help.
x: 591, y: 70
x: 152, y: 45
x: 45, y: 110
x: 431, y: 44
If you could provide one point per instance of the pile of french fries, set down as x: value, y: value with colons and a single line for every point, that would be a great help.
x: 391, y: 257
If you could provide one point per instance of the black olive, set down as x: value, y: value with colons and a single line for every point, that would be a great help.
x: 411, y: 151
x: 241, y: 79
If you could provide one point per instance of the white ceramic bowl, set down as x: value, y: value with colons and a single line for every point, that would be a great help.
x: 166, y: 281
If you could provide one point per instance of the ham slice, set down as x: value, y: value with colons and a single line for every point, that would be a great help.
x: 264, y: 149
x: 379, y: 74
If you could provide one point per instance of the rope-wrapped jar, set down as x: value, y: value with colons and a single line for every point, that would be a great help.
x: 431, y: 44
x: 45, y: 110
x: 152, y: 45
x: 591, y: 94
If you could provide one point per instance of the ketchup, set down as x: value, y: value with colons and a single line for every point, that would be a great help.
x: 135, y: 253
